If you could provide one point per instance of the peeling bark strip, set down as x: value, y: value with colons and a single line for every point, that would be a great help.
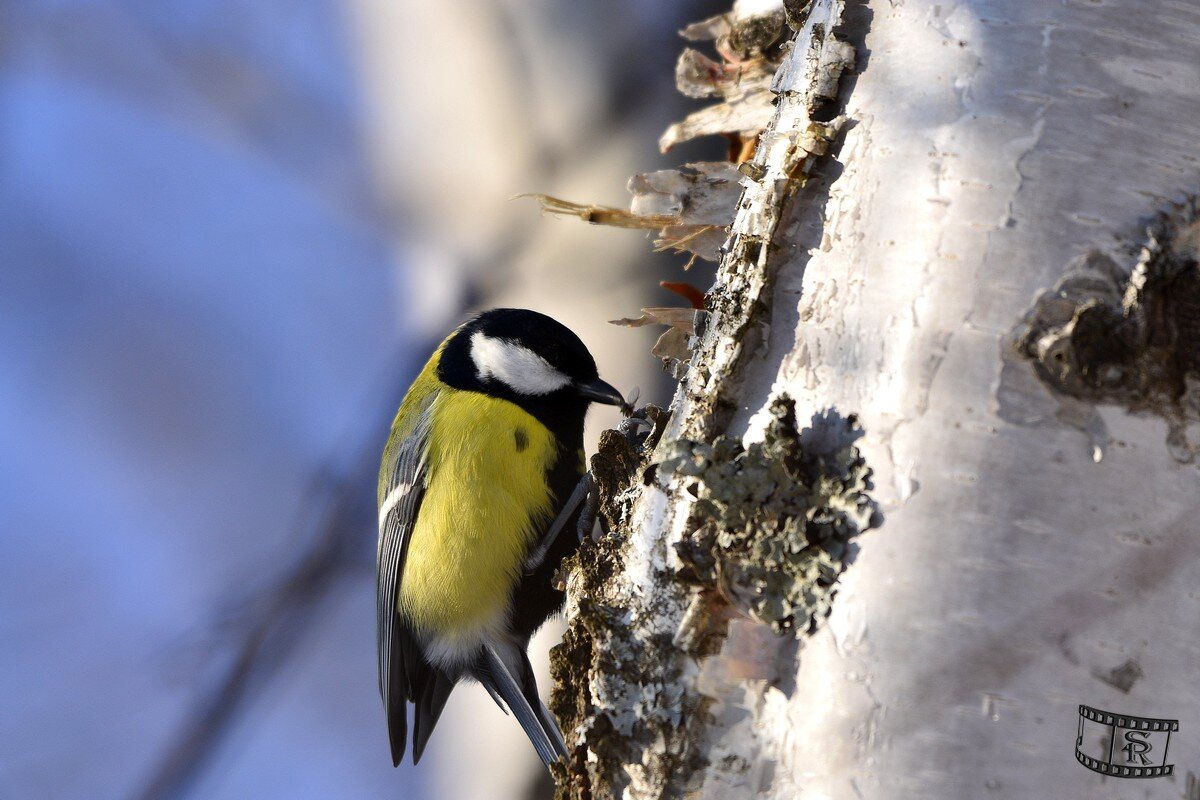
x: 1109, y: 334
x: 709, y: 539
x: 786, y: 153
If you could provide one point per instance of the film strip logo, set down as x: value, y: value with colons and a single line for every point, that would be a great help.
x: 1121, y: 746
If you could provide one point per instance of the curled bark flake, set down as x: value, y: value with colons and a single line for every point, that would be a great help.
x: 690, y: 207
x: 674, y: 346
x: 600, y: 215
x: 698, y: 76
x: 683, y: 318
x: 748, y: 42
x: 687, y: 291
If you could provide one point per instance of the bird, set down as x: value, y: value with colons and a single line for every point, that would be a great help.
x: 482, y: 472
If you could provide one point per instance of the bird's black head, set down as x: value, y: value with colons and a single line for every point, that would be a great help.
x: 529, y: 359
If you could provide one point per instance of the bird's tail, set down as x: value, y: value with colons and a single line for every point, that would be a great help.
x: 512, y: 681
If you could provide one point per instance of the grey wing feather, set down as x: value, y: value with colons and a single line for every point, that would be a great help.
x: 398, y: 657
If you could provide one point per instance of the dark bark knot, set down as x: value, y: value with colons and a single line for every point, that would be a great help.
x: 1127, y: 335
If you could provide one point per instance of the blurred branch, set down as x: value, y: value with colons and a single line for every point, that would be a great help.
x: 270, y: 637
x: 271, y: 628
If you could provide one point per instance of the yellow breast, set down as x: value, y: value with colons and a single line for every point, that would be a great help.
x: 486, y: 501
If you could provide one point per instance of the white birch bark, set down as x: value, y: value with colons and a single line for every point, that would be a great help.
x: 1037, y: 552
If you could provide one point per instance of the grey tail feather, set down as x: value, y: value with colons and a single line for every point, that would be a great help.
x: 397, y: 730
x: 397, y: 705
x: 428, y: 708
x: 552, y: 730
x: 499, y: 681
x: 499, y: 702
x: 549, y: 724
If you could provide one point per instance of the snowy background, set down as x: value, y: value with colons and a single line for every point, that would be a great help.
x: 229, y: 234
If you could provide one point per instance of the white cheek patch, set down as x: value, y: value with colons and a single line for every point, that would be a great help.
x: 521, y: 369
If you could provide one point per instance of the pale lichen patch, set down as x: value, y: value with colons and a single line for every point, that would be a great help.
x: 773, y: 522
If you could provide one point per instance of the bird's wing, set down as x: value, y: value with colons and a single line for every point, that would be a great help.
x: 402, y: 669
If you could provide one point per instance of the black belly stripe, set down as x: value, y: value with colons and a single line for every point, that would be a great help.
x: 522, y: 439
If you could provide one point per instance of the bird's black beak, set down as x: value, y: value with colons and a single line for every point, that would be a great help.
x: 600, y: 392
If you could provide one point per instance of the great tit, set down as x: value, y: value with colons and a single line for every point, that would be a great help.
x: 481, y: 476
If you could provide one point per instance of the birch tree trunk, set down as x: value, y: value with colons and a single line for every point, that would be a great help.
x: 986, y: 294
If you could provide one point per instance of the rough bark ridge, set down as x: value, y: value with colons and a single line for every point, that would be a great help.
x: 713, y: 543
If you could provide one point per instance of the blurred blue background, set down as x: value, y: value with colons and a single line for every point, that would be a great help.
x: 229, y: 234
